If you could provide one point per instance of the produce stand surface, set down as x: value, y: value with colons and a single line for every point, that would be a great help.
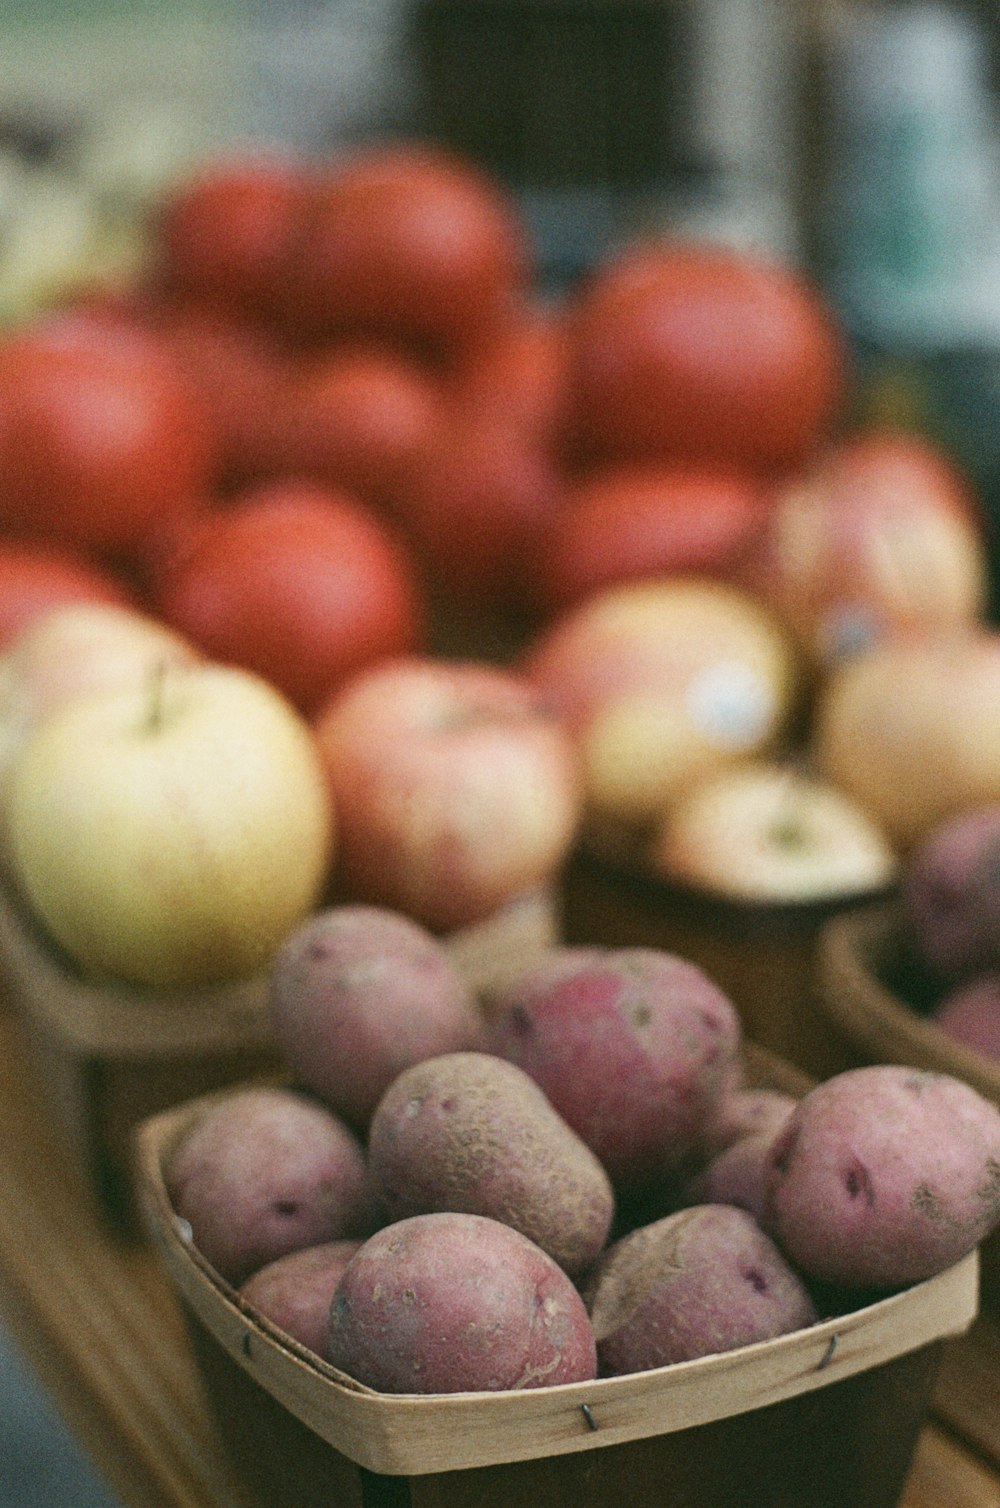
x: 98, y: 1320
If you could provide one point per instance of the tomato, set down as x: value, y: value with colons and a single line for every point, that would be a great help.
x: 408, y: 240
x: 298, y: 583
x: 481, y: 502
x: 239, y: 374
x: 37, y: 577
x: 226, y: 232
x: 683, y: 351
x: 100, y: 434
x: 520, y: 373
x: 625, y: 523
x: 360, y: 417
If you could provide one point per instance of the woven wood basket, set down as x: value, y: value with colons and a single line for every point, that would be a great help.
x: 788, y: 1421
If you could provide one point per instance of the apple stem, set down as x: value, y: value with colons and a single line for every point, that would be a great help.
x: 154, y: 715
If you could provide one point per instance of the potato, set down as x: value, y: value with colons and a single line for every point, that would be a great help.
x: 699, y: 1281
x: 632, y: 1046
x: 295, y: 1291
x: 735, y: 1175
x: 746, y: 1112
x: 472, y: 1133
x: 265, y: 1171
x: 951, y: 894
x: 884, y: 1176
x: 359, y: 993
x: 451, y: 1303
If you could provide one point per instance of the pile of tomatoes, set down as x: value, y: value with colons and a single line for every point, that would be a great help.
x: 336, y: 402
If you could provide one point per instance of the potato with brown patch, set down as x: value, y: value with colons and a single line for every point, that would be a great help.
x: 884, y: 1176
x: 471, y: 1133
x: 700, y: 1281
x: 454, y: 1303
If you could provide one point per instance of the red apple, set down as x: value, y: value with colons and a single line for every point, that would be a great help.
x: 883, y: 536
x: 911, y: 729
x: 658, y: 682
x: 455, y: 791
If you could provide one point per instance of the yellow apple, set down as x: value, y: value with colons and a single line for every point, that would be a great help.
x: 660, y: 681
x: 174, y: 832
x: 73, y: 649
x: 769, y: 833
x: 911, y: 729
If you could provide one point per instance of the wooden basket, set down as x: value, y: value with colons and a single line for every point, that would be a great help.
x: 764, y: 956
x: 106, y: 1058
x: 789, y: 1420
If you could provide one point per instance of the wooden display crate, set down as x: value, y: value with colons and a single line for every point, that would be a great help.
x: 107, y: 1057
x: 825, y: 1417
x: 763, y: 955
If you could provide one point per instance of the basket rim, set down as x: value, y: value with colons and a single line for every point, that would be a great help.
x: 853, y: 996
x: 414, y: 1434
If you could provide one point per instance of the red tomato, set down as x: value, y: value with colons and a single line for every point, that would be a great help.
x: 700, y: 353
x: 239, y: 374
x: 520, y: 374
x: 408, y: 240
x: 360, y: 417
x: 227, y: 231
x: 37, y: 577
x: 626, y: 523
x: 298, y: 583
x: 100, y: 434
x: 480, y: 505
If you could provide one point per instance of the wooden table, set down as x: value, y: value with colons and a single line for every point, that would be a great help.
x: 101, y: 1327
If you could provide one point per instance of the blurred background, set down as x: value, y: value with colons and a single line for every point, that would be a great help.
x: 859, y: 141
x: 858, y: 138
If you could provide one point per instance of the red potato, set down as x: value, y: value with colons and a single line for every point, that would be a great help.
x: 746, y: 1112
x: 267, y: 1171
x: 469, y: 1132
x: 295, y: 1292
x: 700, y: 1281
x: 358, y: 994
x: 454, y: 1303
x: 884, y: 1176
x: 737, y: 1174
x: 631, y: 1046
x: 970, y: 1014
x: 951, y: 894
